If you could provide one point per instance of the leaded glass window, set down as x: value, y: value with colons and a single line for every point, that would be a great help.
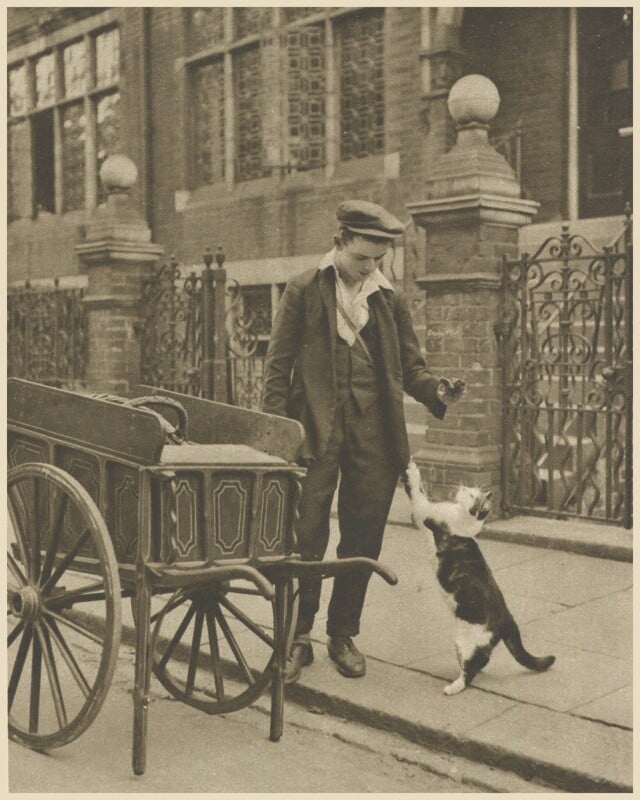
x: 74, y: 69
x: 45, y: 80
x: 108, y: 57
x: 73, y: 168
x: 206, y: 28
x: 305, y: 91
x: 18, y: 92
x: 250, y: 21
x: 281, y: 115
x: 249, y: 99
x: 107, y: 132
x: 208, y: 99
x: 68, y: 93
x: 361, y: 46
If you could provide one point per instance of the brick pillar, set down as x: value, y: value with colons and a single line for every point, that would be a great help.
x: 471, y: 216
x: 117, y: 255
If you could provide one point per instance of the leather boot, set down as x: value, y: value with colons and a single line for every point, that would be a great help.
x: 300, y: 655
x: 346, y: 656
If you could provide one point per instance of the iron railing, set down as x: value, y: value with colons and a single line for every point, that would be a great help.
x: 203, y: 336
x: 47, y: 335
x: 566, y: 341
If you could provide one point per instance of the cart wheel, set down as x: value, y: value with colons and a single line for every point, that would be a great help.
x: 60, y: 560
x: 216, y: 649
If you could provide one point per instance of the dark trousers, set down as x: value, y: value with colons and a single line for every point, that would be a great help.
x: 360, y: 451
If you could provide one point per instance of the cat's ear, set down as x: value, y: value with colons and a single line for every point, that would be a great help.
x: 488, y: 494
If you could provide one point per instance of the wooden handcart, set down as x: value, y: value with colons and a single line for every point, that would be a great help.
x: 185, y: 506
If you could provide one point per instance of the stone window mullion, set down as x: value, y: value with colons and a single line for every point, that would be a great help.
x: 31, y: 92
x: 57, y: 133
x: 229, y: 104
x: 90, y: 150
x: 332, y: 129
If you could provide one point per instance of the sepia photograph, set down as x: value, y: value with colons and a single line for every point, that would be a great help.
x: 319, y: 399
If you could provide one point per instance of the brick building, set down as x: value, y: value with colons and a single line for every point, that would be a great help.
x: 249, y: 125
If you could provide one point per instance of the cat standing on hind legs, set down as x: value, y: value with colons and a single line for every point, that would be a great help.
x: 482, y: 618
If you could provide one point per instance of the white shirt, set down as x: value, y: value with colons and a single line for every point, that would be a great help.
x: 354, y: 298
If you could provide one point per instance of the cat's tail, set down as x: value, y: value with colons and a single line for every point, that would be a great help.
x: 513, y: 640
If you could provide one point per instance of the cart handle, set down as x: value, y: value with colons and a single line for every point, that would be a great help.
x: 188, y: 575
x: 329, y: 569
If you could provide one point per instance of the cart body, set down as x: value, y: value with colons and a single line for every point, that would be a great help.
x: 110, y: 487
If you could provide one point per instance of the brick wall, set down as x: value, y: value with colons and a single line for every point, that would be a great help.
x: 521, y: 49
x: 524, y: 52
x: 269, y: 218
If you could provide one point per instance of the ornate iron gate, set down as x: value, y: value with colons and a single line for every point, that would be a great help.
x: 567, y: 356
x: 201, y: 336
x: 47, y: 335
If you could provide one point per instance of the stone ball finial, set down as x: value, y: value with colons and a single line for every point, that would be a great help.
x: 118, y: 173
x: 473, y: 98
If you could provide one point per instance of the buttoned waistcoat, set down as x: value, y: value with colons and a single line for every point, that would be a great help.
x: 300, y: 375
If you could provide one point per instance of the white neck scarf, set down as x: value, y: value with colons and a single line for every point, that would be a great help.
x: 354, y: 298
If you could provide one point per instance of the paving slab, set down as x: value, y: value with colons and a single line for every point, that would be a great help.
x: 603, y: 625
x: 402, y: 694
x: 615, y: 708
x: 566, y: 578
x: 582, y: 754
x: 575, y: 679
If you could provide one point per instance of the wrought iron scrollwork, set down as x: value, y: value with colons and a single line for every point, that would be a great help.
x: 47, y: 335
x: 566, y: 338
x: 244, y: 325
x: 171, y: 329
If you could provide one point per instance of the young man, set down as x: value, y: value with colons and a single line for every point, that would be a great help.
x: 342, y: 351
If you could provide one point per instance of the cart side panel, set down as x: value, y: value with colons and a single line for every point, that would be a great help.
x: 274, y: 516
x: 84, y: 467
x: 121, y: 509
x: 22, y: 449
x: 230, y: 506
x: 178, y: 517
x: 219, y: 423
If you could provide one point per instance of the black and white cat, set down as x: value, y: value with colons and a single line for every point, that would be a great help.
x: 482, y: 618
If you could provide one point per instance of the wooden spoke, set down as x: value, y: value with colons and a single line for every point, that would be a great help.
x: 74, y: 626
x: 240, y: 652
x: 18, y: 664
x: 176, y: 602
x: 55, y: 538
x: 17, y: 531
x: 35, y: 533
x: 15, y: 633
x: 15, y: 569
x: 62, y: 566
x: 195, y: 652
x: 79, y: 595
x: 74, y: 667
x: 233, y: 644
x: 44, y: 494
x: 244, y: 590
x: 36, y: 677
x: 215, y: 655
x: 177, y: 636
x: 249, y: 623
x: 52, y: 673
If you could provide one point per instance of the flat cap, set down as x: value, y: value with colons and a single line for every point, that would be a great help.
x: 368, y: 219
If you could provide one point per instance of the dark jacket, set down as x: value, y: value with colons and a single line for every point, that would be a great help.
x: 300, y: 379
